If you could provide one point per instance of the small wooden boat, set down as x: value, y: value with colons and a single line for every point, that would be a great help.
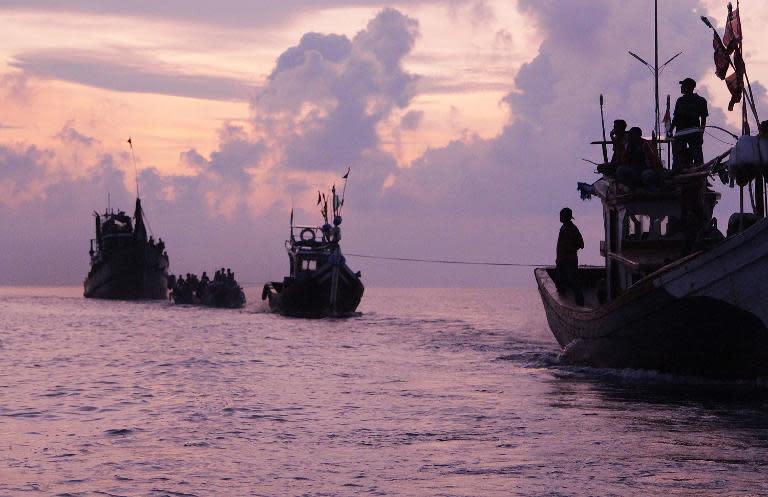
x: 223, y: 292
x: 320, y: 283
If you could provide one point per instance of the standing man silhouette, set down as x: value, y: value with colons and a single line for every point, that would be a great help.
x: 569, y: 242
x: 690, y: 119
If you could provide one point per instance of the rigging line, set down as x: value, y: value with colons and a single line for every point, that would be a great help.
x: 718, y: 139
x: 442, y: 261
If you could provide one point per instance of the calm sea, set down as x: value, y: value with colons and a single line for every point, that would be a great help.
x: 426, y: 393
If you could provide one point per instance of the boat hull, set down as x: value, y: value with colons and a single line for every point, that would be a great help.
x: 233, y: 298
x: 311, y: 297
x: 129, y: 274
x: 704, y: 315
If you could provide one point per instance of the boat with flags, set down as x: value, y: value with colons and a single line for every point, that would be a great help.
x: 675, y: 294
x: 319, y: 284
x: 125, y: 262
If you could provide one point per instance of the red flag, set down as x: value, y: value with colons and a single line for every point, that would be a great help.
x: 667, y: 119
x: 735, y: 82
x: 722, y: 60
x: 732, y: 35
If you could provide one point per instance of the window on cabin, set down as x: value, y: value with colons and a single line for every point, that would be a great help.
x: 309, y: 264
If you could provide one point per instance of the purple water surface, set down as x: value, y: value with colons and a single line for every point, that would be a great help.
x: 428, y: 393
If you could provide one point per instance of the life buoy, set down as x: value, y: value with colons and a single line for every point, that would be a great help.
x: 308, y: 235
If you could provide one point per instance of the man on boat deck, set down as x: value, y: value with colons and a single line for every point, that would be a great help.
x: 619, y: 138
x: 569, y: 242
x: 689, y: 119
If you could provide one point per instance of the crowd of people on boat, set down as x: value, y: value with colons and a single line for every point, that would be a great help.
x: 222, y: 290
x: 635, y: 162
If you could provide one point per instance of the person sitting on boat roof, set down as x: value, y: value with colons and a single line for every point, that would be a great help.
x: 763, y: 129
x: 640, y: 165
x: 335, y: 237
x: 690, y: 119
x: 620, y: 139
x: 569, y: 242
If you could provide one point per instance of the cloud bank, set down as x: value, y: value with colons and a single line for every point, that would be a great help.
x: 331, y: 102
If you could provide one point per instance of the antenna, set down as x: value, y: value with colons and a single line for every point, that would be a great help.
x: 135, y: 169
x: 656, y: 61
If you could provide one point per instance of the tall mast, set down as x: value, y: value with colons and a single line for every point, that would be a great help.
x: 656, y: 63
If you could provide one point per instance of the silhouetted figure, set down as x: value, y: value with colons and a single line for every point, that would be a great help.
x: 619, y: 138
x: 640, y: 165
x: 763, y: 129
x: 204, y: 278
x: 336, y: 231
x: 569, y: 242
x: 689, y: 119
x: 327, y: 229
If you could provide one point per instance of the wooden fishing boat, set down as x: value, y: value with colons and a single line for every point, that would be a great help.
x: 125, y: 264
x: 703, y: 314
x: 675, y: 294
x: 320, y: 283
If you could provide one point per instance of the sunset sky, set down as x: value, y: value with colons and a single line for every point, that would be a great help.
x: 463, y: 121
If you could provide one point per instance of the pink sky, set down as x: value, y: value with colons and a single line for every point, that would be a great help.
x: 464, y: 123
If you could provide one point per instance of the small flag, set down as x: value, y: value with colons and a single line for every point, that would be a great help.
x: 667, y: 119
x: 319, y: 198
x: 732, y: 35
x: 291, y: 217
x: 130, y: 142
x: 346, y: 175
x: 735, y: 82
x: 722, y: 60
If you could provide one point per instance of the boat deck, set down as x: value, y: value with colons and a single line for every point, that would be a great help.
x: 591, y: 278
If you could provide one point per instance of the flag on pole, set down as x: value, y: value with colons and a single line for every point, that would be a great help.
x: 347, y: 174
x: 319, y: 198
x: 722, y: 60
x: 735, y: 82
x: 667, y: 119
x: 130, y: 142
x: 732, y: 35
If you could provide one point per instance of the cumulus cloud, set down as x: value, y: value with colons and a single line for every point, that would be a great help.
x: 324, y: 107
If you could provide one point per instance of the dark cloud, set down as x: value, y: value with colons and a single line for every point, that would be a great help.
x: 69, y: 134
x: 127, y: 72
x: 411, y: 120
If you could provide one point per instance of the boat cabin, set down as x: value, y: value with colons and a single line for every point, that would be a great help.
x: 308, y: 250
x: 646, y: 229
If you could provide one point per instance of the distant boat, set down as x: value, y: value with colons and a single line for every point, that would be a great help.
x: 223, y: 293
x: 675, y: 294
x: 125, y: 264
x: 320, y: 283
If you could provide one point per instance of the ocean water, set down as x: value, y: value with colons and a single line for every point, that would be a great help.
x: 427, y: 393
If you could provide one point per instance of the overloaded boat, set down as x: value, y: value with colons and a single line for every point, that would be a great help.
x: 675, y: 294
x: 320, y: 284
x: 223, y: 291
x: 125, y: 263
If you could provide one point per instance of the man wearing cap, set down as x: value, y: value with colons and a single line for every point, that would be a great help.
x: 569, y: 242
x: 690, y: 119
